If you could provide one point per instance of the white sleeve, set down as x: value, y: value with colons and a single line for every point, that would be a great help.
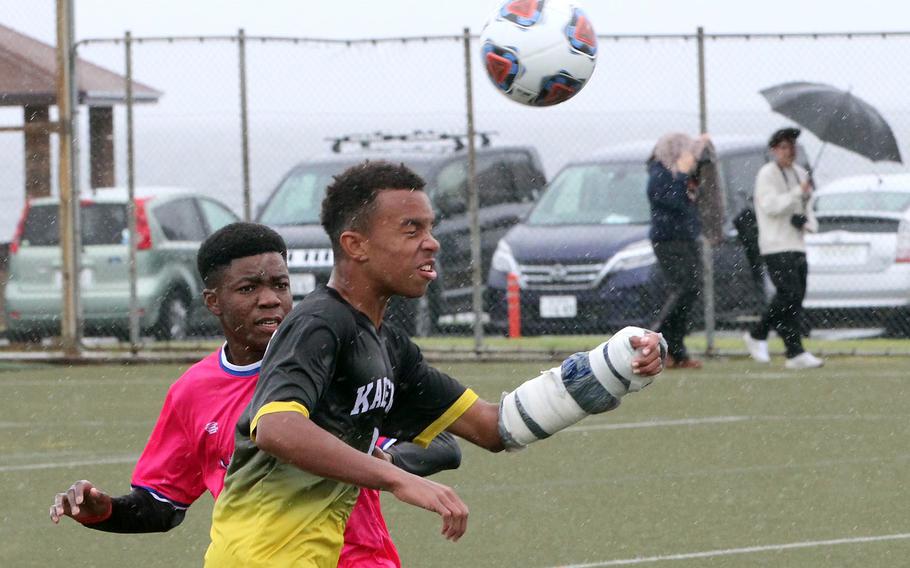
x: 585, y: 383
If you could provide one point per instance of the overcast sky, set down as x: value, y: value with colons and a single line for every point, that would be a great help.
x: 603, y: 112
x: 360, y: 18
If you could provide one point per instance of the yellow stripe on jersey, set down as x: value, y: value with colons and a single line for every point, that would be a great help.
x: 272, y: 408
x: 454, y: 412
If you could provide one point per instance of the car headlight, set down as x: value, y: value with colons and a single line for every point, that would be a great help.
x: 634, y: 255
x: 503, y: 260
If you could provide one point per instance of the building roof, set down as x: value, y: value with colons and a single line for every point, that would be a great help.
x: 28, y: 69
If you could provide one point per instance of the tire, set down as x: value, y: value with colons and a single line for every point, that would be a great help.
x: 173, y: 318
x: 24, y: 336
x: 122, y: 334
x: 897, y: 324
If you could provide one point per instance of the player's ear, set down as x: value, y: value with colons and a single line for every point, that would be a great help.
x: 354, y: 245
x: 211, y: 301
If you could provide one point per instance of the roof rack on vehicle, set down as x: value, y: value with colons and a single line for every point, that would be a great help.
x: 371, y: 140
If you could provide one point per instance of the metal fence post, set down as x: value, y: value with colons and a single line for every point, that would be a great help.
x: 244, y: 125
x: 707, y: 247
x: 76, y: 218
x: 68, y: 209
x: 473, y: 201
x: 131, y: 196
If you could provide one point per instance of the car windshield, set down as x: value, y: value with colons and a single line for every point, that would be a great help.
x: 893, y: 201
x: 102, y: 224
x: 595, y: 194
x: 298, y: 200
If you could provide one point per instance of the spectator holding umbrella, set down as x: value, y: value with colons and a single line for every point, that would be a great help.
x: 782, y: 189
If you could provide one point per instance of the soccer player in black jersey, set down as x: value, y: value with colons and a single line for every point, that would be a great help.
x: 335, y: 377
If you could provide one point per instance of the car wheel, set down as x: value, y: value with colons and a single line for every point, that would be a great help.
x: 23, y: 336
x: 122, y: 334
x: 897, y: 324
x: 174, y: 317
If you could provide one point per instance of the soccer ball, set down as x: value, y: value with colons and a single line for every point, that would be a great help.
x: 539, y: 52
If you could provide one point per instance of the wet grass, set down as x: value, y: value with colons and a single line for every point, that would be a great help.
x: 735, y: 465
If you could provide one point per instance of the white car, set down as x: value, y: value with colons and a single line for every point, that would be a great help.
x: 859, y: 260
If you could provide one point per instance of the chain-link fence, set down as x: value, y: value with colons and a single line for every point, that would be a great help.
x: 262, y: 124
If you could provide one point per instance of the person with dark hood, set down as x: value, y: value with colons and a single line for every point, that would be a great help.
x: 675, y: 230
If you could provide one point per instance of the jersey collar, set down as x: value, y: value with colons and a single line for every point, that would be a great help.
x: 237, y: 370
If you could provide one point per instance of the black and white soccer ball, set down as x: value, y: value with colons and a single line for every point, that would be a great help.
x: 539, y: 52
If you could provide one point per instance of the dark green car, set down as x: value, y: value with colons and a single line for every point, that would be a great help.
x: 170, y: 225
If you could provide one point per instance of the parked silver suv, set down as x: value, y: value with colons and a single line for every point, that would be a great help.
x: 508, y: 180
x: 170, y: 222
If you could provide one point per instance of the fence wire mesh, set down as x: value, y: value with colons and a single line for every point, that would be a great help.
x: 304, y: 96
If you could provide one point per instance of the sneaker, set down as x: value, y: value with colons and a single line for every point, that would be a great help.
x: 682, y: 363
x: 758, y: 348
x: 804, y: 360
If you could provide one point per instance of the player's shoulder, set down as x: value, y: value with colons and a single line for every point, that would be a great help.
x: 323, y: 307
x: 395, y: 333
x: 204, y: 369
x: 401, y: 345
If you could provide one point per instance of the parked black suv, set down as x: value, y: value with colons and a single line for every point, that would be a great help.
x: 509, y: 178
x: 583, y: 257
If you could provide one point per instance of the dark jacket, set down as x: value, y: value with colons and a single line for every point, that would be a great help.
x: 674, y: 217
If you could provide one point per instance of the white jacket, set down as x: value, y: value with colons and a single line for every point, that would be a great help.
x: 778, y: 196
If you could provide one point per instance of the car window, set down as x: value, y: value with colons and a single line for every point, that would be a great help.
x: 495, y: 183
x: 595, y: 194
x: 508, y: 177
x: 102, y: 224
x: 893, y: 201
x: 216, y: 215
x: 449, y: 193
x: 739, y: 173
x: 180, y: 220
x: 528, y: 179
x: 298, y: 200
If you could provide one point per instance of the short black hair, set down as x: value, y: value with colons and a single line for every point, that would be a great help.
x: 782, y: 134
x: 349, y: 199
x: 237, y: 240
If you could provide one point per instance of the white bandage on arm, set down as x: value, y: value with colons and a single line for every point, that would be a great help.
x: 585, y: 383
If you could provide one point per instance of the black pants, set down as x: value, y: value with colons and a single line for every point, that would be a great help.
x: 788, y: 272
x: 680, y: 263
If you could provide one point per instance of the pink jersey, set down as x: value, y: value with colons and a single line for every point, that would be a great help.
x: 191, y: 446
x: 367, y: 541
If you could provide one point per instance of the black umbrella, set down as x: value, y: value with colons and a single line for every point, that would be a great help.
x: 835, y: 116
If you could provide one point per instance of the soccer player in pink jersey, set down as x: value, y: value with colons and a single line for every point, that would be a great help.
x: 245, y: 273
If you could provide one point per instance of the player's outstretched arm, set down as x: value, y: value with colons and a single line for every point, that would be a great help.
x: 585, y: 383
x: 136, y: 512
x: 294, y: 438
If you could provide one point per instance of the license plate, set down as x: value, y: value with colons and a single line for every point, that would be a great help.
x: 302, y: 284
x: 86, y: 279
x: 558, y: 306
x: 837, y: 255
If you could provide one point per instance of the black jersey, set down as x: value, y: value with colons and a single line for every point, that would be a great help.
x: 354, y: 381
x: 328, y: 362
